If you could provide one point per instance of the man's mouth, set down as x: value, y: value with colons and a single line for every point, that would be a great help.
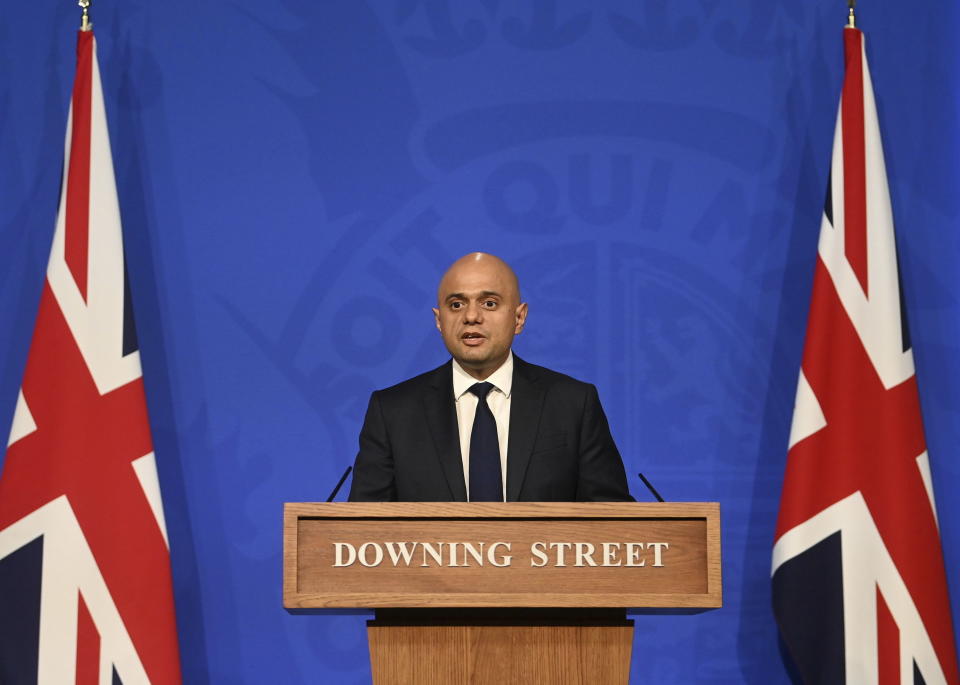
x: 472, y: 338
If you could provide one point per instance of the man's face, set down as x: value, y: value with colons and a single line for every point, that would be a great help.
x: 478, y: 313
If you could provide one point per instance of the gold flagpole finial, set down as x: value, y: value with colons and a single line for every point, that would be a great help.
x: 851, y: 17
x: 85, y: 24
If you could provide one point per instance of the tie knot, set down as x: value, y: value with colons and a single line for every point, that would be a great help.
x: 481, y: 390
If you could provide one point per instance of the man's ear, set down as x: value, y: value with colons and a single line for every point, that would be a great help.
x: 436, y: 317
x: 521, y: 317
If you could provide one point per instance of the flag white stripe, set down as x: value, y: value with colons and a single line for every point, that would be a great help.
x: 146, y: 470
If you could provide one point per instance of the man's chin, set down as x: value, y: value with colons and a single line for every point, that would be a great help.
x: 473, y: 358
x: 477, y: 359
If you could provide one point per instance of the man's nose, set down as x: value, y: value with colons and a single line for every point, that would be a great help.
x: 473, y: 313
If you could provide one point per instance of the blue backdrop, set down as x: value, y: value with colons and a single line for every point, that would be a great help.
x: 295, y: 175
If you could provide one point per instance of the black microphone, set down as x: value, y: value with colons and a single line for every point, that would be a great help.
x: 343, y: 478
x: 645, y: 482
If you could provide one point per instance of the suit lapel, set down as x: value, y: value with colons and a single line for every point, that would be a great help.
x: 526, y: 403
x: 442, y: 418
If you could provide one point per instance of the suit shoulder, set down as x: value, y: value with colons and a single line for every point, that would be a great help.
x: 550, y: 378
x: 415, y: 385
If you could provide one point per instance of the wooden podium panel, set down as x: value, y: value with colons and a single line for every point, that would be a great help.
x: 601, y: 554
x: 539, y: 588
x: 524, y: 647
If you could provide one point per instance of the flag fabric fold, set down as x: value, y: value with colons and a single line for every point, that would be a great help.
x: 85, y: 580
x: 859, y: 583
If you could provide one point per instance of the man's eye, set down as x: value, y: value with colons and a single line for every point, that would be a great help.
x: 456, y: 305
x: 490, y: 304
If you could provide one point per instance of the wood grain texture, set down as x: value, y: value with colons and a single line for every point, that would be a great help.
x: 389, y: 510
x: 689, y: 577
x: 482, y: 654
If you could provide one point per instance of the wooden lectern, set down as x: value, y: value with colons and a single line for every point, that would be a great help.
x: 501, y: 592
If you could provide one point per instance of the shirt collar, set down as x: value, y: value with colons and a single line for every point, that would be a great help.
x: 502, y: 378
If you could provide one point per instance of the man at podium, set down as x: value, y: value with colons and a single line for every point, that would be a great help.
x: 486, y: 426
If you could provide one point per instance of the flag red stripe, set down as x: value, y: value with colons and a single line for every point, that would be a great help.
x: 888, y: 644
x: 85, y: 443
x: 854, y: 159
x: 88, y: 646
x: 873, y: 434
x: 86, y: 455
x: 76, y: 238
x: 850, y: 454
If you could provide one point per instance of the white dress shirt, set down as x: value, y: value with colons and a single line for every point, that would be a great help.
x: 499, y: 402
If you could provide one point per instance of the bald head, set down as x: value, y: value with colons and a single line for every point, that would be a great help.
x: 480, y: 266
x: 479, y: 311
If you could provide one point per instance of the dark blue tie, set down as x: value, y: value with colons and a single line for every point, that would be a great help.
x: 486, y: 484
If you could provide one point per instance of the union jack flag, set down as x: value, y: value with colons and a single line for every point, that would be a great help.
x: 859, y: 586
x: 85, y: 587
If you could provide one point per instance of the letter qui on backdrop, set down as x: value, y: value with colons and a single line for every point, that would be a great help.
x: 859, y: 586
x: 85, y: 587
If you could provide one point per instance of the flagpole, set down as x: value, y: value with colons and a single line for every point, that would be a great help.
x: 85, y: 24
x: 851, y: 17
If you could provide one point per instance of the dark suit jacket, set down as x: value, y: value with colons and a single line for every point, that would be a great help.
x: 560, y: 448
